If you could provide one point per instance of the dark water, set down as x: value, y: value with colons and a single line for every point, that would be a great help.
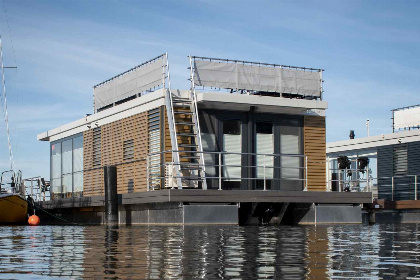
x: 226, y: 252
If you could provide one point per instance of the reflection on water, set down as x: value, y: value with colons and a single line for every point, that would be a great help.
x: 227, y: 252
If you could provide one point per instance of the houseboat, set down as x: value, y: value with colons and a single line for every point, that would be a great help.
x: 390, y: 167
x: 245, y: 144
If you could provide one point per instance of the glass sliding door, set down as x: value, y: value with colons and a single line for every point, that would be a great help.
x: 232, y: 145
x: 265, y: 163
x: 208, y: 141
x: 56, y: 170
x: 290, y: 147
x: 67, y: 165
x: 78, y: 166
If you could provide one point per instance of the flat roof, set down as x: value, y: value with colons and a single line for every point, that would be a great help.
x: 373, y: 142
x: 208, y: 100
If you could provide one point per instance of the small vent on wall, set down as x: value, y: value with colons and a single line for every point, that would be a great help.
x: 128, y: 149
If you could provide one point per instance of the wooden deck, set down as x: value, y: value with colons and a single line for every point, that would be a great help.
x: 216, y: 196
x: 402, y: 204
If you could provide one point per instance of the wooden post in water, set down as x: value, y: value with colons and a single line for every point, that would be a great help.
x: 111, y: 195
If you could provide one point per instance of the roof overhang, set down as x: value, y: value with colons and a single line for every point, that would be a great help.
x: 373, y: 142
x: 208, y: 100
x: 261, y: 104
x: 127, y: 109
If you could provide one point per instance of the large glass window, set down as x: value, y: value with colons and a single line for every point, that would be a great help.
x: 208, y: 141
x: 264, y: 147
x: 290, y: 162
x: 56, y: 168
x: 232, y: 145
x: 78, y: 166
x: 67, y: 167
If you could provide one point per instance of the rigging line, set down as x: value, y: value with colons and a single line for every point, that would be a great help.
x: 8, y: 28
x: 6, y: 117
x: 15, y: 84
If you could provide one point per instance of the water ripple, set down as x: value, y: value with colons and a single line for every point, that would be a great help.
x: 206, y: 252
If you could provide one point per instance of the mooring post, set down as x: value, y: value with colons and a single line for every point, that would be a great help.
x: 111, y: 195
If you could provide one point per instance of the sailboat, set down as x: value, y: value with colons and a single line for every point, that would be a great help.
x: 13, y: 205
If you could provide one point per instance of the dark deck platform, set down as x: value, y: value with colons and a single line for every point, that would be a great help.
x: 216, y: 196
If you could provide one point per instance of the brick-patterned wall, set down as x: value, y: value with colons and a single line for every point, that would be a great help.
x: 131, y: 177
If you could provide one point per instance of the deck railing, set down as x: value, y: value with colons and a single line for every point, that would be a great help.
x: 391, y: 187
x: 36, y: 188
x: 223, y: 167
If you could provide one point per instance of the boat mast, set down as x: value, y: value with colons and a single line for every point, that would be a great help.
x: 4, y: 101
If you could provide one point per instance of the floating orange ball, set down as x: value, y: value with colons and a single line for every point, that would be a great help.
x: 34, y: 220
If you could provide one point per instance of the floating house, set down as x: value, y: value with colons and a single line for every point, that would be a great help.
x: 393, y: 166
x: 245, y: 144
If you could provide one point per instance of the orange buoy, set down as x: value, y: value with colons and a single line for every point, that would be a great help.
x: 34, y: 220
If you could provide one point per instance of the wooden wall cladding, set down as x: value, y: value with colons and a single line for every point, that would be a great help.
x: 315, y: 150
x: 167, y: 139
x: 131, y: 173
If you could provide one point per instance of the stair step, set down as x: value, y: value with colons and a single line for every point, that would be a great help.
x: 191, y: 168
x: 192, y: 179
x: 184, y: 123
x: 181, y: 156
x: 187, y: 146
x: 189, y: 164
x: 181, y: 101
x: 181, y: 106
x: 179, y: 98
x: 186, y: 134
x: 183, y: 113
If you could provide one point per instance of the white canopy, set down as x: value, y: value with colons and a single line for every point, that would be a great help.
x: 137, y: 80
x: 257, y: 77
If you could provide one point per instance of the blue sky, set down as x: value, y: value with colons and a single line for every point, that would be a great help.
x: 369, y: 50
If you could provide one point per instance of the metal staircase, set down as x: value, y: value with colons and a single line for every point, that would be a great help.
x: 185, y: 135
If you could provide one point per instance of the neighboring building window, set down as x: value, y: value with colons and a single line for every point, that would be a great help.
x: 67, y: 167
x: 400, y: 159
x: 128, y: 149
x: 97, y: 147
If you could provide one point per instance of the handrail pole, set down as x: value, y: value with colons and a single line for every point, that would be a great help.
x: 220, y: 171
x: 415, y: 187
x: 339, y: 181
x: 147, y: 173
x: 392, y: 188
x: 265, y: 183
x: 367, y: 179
x: 306, y: 173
